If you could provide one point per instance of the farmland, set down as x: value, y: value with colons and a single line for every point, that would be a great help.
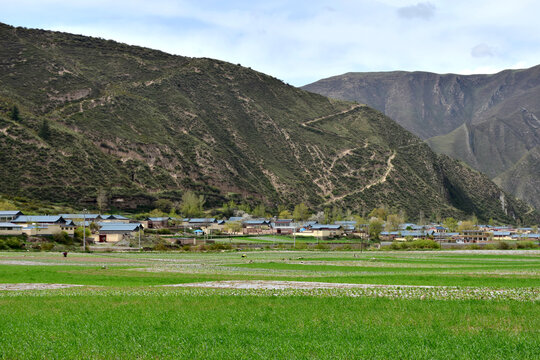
x: 414, y: 305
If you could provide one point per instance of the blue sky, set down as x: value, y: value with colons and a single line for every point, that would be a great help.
x: 303, y: 41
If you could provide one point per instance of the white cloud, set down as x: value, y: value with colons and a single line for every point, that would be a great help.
x: 483, y: 50
x: 423, y: 11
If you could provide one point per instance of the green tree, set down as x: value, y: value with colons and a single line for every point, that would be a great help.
x: 466, y: 225
x: 63, y: 238
x: 375, y: 228
x: 6, y: 205
x: 393, y: 221
x: 15, y: 113
x: 79, y: 233
x: 301, y: 212
x: 157, y: 213
x: 327, y: 216
x: 451, y: 224
x: 93, y: 227
x: 379, y: 212
x: 337, y: 214
x: 259, y: 211
x: 360, y: 222
x: 285, y: 214
x: 282, y: 207
x: 421, y: 218
x: 233, y: 227
x: 192, y: 205
x: 245, y: 208
x: 228, y: 209
x: 102, y: 200
x: 44, y: 130
x: 164, y: 205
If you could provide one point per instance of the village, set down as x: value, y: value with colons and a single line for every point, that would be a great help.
x: 114, y: 229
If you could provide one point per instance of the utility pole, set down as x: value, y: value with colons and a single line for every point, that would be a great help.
x: 84, y: 229
x: 139, y: 237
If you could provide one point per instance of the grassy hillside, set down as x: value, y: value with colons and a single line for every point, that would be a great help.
x: 141, y: 124
x: 488, y: 121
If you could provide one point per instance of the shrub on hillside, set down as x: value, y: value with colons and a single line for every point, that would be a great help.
x: 48, y: 246
x: 505, y: 246
x: 415, y: 244
x: 14, y: 243
x: 218, y: 246
x: 526, y: 245
x: 63, y: 238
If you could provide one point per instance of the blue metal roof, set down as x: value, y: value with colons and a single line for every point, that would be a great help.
x: 39, y: 219
x: 4, y: 213
x: 412, y: 233
x: 2, y: 224
x: 81, y: 216
x: 158, y: 219
x: 439, y: 227
x: 347, y: 222
x: 256, y: 222
x: 114, y: 217
x: 501, y: 233
x: 411, y: 225
x: 202, y: 220
x: 129, y: 227
x: 527, y: 236
x: 323, y: 227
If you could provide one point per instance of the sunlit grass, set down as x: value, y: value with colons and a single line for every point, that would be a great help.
x: 220, y: 326
x: 486, y: 309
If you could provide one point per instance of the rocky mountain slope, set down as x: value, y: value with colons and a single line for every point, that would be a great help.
x: 138, y: 124
x: 488, y: 121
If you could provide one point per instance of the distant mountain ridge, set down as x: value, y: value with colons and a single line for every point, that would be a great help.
x: 488, y: 121
x: 99, y: 117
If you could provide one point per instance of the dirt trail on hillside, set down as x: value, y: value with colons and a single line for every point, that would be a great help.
x: 307, y: 123
x: 381, y: 180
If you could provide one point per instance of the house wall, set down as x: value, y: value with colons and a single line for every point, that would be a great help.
x: 157, y: 224
x: 14, y: 231
x: 213, y: 228
x: 115, y: 237
x: 51, y: 229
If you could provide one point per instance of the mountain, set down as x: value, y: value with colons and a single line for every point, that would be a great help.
x: 488, y: 121
x: 99, y: 117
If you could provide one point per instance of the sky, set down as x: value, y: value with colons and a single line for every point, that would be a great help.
x: 304, y: 41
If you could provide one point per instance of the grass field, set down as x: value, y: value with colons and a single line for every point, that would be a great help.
x: 484, y: 305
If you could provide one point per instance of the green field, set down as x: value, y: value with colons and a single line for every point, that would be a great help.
x: 483, y: 305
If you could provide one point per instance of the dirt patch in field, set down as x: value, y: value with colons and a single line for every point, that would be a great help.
x: 24, y: 262
x: 276, y: 285
x: 35, y: 286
